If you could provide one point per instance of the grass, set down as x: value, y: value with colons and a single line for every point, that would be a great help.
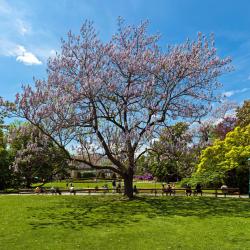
x: 91, y: 184
x: 101, y: 183
x: 106, y: 222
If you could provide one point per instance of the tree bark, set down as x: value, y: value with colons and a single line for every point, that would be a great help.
x: 128, y: 185
x: 28, y: 182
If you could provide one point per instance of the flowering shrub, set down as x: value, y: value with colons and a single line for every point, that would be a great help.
x: 145, y: 177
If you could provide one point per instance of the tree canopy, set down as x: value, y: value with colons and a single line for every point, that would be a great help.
x: 226, y: 155
x: 243, y: 114
x: 171, y: 158
x: 113, y: 97
x: 5, y: 174
x: 36, y: 158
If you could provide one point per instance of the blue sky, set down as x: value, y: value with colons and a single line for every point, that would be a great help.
x: 30, y: 32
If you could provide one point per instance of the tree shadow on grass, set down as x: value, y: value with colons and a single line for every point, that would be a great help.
x: 78, y: 212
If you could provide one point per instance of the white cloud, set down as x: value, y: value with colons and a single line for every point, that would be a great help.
x: 18, y: 37
x: 26, y: 57
x: 8, y: 48
x: 228, y: 93
x: 233, y: 92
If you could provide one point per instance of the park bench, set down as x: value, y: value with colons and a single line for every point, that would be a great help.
x: 227, y: 191
x: 182, y: 191
x: 92, y: 190
x: 25, y: 191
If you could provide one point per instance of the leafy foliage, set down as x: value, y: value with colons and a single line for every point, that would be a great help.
x: 36, y: 157
x: 225, y: 156
x: 172, y: 157
x: 221, y: 129
x: 5, y: 173
x: 243, y: 114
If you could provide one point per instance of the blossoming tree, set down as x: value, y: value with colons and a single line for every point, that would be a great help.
x: 35, y: 156
x: 113, y: 97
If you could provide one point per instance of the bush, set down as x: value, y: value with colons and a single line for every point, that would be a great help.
x: 145, y: 177
x: 207, y: 180
x: 87, y: 175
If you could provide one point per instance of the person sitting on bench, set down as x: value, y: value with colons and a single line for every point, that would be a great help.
x: 224, y: 189
x: 198, y: 189
x: 169, y: 190
x: 72, y: 190
x: 188, y: 190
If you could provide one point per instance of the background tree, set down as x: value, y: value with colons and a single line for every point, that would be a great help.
x: 221, y: 129
x: 35, y: 157
x: 5, y: 173
x: 243, y: 114
x: 142, y: 165
x: 171, y: 157
x: 113, y: 97
x: 219, y: 122
x: 226, y: 160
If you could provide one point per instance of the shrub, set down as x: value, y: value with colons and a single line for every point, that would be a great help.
x: 87, y: 175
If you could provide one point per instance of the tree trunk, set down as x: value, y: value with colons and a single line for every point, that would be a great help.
x: 28, y: 182
x: 128, y: 185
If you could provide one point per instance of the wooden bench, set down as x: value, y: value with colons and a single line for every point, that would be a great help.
x: 182, y: 191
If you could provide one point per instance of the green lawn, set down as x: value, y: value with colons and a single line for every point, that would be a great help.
x: 101, y: 183
x: 88, y: 184
x: 106, y: 222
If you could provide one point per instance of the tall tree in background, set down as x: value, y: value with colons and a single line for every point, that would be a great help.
x: 221, y: 129
x: 113, y: 97
x: 226, y: 160
x: 171, y: 157
x: 243, y: 114
x: 35, y: 157
x: 5, y: 173
x: 220, y: 121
